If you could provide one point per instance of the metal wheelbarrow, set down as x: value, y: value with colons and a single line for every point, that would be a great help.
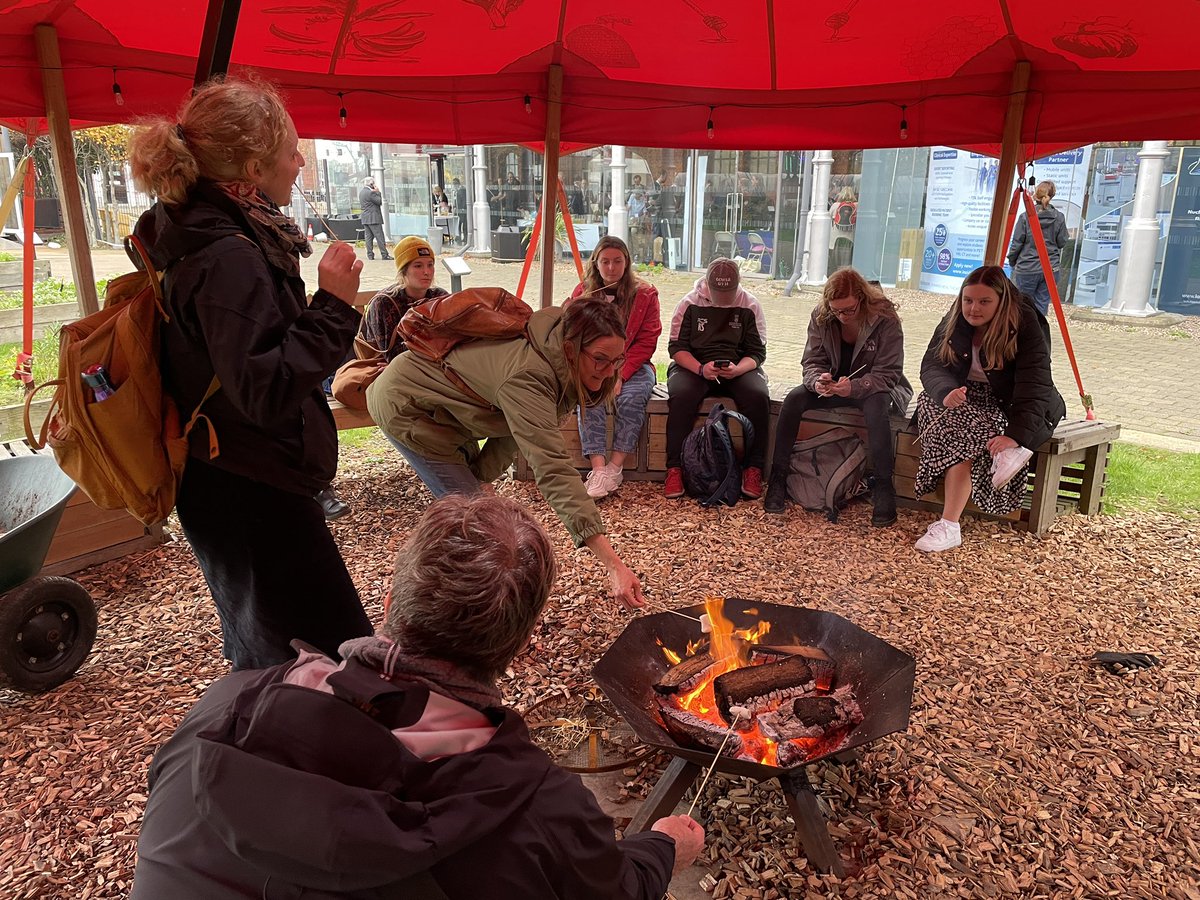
x: 47, y: 622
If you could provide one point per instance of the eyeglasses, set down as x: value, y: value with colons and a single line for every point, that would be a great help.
x: 846, y: 313
x: 603, y: 363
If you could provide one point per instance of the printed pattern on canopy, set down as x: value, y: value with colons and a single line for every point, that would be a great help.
x: 776, y: 73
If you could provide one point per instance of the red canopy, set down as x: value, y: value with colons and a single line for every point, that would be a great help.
x: 776, y: 74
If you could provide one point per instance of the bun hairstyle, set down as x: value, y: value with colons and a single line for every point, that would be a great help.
x: 1044, y: 193
x: 584, y: 322
x: 221, y: 128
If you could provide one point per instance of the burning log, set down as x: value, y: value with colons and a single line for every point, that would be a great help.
x: 823, y: 667
x: 741, y: 685
x: 693, y: 731
x: 679, y: 677
x: 818, y: 711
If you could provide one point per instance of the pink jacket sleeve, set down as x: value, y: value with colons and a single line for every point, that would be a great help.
x: 645, y: 325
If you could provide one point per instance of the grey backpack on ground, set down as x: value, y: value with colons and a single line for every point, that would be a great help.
x: 827, y: 471
x: 712, y: 472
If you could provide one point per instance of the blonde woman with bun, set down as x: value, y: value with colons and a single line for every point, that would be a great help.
x: 238, y: 313
x: 1027, y: 272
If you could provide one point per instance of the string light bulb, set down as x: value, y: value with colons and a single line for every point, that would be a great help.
x: 116, y: 89
x: 709, y: 126
x: 528, y: 105
x: 342, y: 111
x: 903, y: 122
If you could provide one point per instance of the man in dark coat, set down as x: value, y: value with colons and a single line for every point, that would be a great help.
x: 397, y: 772
x: 371, y: 201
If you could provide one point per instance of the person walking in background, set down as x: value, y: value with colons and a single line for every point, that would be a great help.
x: 609, y: 276
x: 718, y: 346
x: 523, y: 387
x: 854, y: 356
x: 988, y: 402
x: 370, y: 200
x: 237, y: 313
x: 1027, y: 271
x: 397, y: 771
x: 460, y: 207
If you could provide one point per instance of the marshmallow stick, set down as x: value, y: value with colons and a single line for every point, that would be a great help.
x: 313, y: 207
x: 707, y: 775
x: 704, y: 620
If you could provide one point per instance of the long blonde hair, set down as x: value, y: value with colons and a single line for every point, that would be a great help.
x: 224, y: 126
x: 586, y: 321
x: 848, y: 282
x: 999, y: 345
x: 625, y: 290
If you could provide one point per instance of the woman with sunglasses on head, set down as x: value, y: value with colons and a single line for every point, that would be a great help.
x: 988, y: 402
x: 569, y: 357
x: 609, y: 276
x: 854, y: 357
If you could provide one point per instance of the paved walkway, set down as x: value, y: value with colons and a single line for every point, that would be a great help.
x: 1147, y: 379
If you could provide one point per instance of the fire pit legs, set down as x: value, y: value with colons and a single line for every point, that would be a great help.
x: 665, y: 795
x: 811, y: 830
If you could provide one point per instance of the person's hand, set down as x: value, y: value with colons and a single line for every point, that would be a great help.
x: 617, y: 386
x: 955, y: 398
x: 338, y: 271
x: 999, y: 444
x: 823, y: 383
x: 625, y: 586
x: 688, y: 835
x: 711, y: 372
x: 840, y: 388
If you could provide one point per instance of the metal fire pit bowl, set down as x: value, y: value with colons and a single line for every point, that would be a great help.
x: 882, y: 675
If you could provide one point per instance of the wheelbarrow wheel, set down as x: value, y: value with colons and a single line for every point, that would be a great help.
x: 47, y: 626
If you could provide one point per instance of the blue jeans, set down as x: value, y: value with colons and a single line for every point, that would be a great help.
x: 440, y: 477
x: 630, y: 416
x: 1033, y: 285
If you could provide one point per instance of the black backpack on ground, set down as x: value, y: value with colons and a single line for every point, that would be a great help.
x: 827, y: 471
x: 712, y: 472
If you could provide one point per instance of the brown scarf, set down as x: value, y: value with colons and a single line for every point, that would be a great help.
x: 277, y: 234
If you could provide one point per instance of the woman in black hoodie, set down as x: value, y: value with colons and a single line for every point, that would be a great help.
x: 239, y: 323
x: 1027, y: 272
x: 988, y: 402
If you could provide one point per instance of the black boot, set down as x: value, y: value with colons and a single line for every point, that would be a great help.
x: 883, y: 497
x: 776, y: 498
x: 334, y: 508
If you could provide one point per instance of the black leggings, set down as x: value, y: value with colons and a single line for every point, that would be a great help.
x: 271, y: 564
x: 875, y: 409
x: 685, y: 391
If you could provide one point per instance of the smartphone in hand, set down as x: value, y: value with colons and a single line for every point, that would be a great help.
x: 723, y: 363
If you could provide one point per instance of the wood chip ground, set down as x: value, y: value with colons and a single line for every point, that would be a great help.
x: 1025, y: 772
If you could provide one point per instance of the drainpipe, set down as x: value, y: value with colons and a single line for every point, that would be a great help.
x: 618, y: 214
x: 1139, y: 238
x: 822, y: 222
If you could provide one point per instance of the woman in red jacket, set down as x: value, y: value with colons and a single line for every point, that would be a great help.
x: 609, y: 274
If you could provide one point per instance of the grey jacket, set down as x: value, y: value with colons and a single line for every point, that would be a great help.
x: 879, y: 351
x: 1022, y: 253
x: 371, y: 202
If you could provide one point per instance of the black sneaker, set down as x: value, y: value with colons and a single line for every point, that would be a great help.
x: 333, y: 507
x: 883, y: 499
x: 776, y: 499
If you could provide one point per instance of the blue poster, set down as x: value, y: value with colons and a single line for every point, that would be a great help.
x: 1179, y: 289
x: 958, y: 207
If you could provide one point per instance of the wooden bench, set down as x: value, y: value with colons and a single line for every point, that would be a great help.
x: 1068, y: 472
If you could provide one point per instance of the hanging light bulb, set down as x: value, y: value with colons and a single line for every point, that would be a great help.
x: 709, y: 126
x: 903, y: 123
x: 528, y: 105
x: 117, y: 98
x: 342, y: 111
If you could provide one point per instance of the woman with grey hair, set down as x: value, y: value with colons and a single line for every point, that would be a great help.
x: 398, y: 771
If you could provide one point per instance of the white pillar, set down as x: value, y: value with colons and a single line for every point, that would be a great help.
x: 480, y: 211
x: 821, y: 224
x: 377, y: 174
x: 618, y: 214
x: 1139, y: 237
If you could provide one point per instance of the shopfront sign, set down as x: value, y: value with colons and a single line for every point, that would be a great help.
x: 1179, y: 289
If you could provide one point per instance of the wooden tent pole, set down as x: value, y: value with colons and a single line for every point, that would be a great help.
x: 1010, y: 150
x: 45, y: 39
x: 216, y: 41
x: 550, y: 181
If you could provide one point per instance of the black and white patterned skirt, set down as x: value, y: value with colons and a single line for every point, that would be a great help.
x: 951, y: 436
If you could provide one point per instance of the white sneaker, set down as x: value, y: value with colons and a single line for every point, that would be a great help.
x: 1007, y: 463
x: 603, y: 481
x: 941, y: 535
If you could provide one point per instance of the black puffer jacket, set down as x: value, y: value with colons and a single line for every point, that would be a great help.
x: 1023, y: 386
x: 236, y: 315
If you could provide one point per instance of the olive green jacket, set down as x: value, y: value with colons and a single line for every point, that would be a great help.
x: 415, y: 403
